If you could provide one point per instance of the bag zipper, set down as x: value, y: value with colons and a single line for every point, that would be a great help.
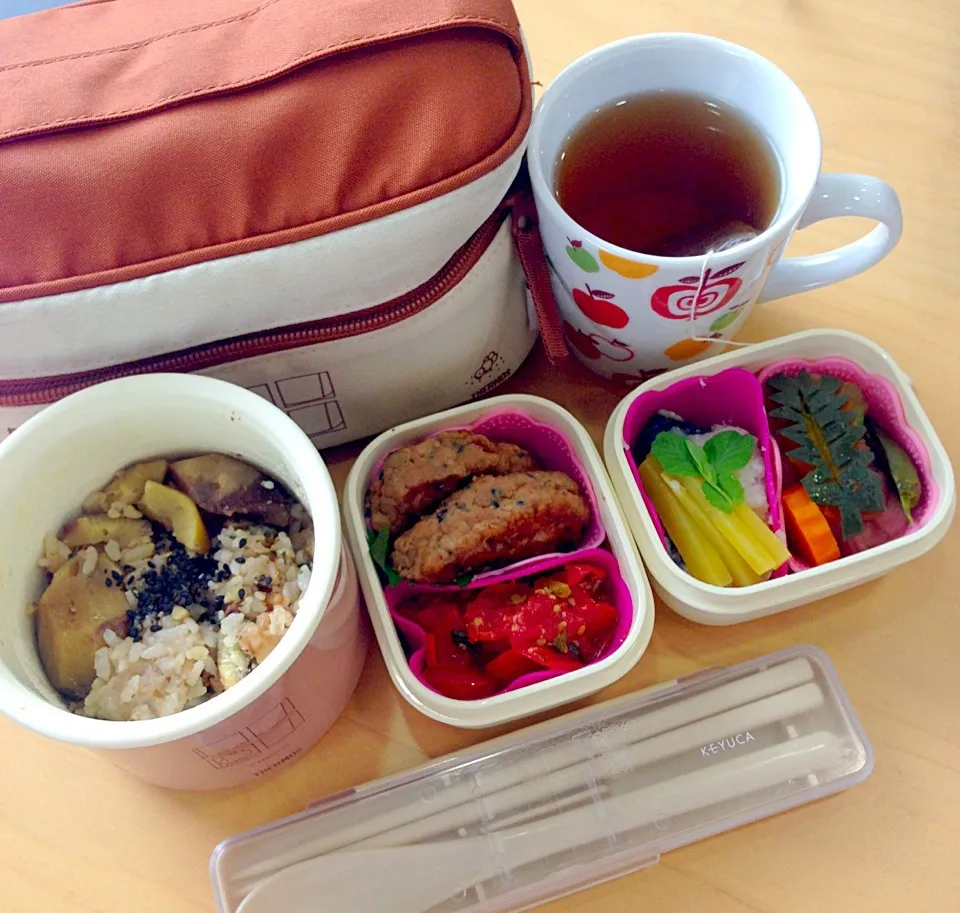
x: 45, y: 390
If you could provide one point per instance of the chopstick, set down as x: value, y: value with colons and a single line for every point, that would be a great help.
x: 773, y: 709
x: 775, y: 765
x: 297, y: 844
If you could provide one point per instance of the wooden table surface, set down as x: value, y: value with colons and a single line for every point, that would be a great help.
x: 77, y: 836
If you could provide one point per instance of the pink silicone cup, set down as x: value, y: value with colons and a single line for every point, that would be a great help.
x: 619, y: 592
x: 551, y: 449
x: 885, y: 407
x: 732, y: 397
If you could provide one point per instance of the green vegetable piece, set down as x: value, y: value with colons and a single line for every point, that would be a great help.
x: 717, y: 497
x: 379, y: 544
x: 583, y: 258
x: 672, y: 452
x: 904, y: 473
x: 826, y: 434
x: 464, y: 579
x: 730, y: 485
x: 715, y: 463
x: 699, y: 457
x: 729, y: 451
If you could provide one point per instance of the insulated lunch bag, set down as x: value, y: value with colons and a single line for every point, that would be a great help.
x: 322, y: 202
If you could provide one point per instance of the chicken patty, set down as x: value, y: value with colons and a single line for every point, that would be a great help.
x: 494, y: 520
x: 416, y: 479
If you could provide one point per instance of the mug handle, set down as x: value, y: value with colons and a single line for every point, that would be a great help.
x: 838, y: 195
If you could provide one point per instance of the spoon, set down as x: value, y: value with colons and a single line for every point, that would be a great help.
x: 413, y: 879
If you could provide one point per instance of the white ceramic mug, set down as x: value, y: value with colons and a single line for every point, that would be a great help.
x: 626, y: 313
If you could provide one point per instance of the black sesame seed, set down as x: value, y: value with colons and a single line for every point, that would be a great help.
x: 241, y: 593
x: 108, y: 582
x: 242, y: 543
x: 156, y: 627
x: 241, y: 560
x: 521, y: 503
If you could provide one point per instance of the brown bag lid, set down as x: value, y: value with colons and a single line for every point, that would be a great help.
x: 138, y: 136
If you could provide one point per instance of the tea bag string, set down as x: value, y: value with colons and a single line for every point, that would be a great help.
x: 693, y: 310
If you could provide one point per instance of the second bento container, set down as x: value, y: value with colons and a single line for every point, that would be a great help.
x: 714, y: 605
x: 527, y: 421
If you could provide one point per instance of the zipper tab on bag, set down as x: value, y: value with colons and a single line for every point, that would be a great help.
x: 533, y: 259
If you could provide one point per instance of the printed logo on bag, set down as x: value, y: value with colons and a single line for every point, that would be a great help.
x: 309, y: 399
x: 490, y: 363
x: 730, y: 743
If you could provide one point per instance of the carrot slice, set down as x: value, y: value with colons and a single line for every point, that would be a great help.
x: 807, y: 528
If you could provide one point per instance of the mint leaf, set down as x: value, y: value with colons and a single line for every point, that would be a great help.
x: 379, y: 545
x: 699, y: 456
x: 670, y: 450
x: 730, y: 485
x: 729, y: 451
x: 716, y: 496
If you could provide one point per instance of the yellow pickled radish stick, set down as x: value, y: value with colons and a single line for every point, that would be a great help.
x: 740, y: 571
x: 701, y: 558
x: 732, y: 528
x: 763, y: 534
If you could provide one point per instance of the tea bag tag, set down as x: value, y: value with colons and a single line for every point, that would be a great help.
x: 746, y: 233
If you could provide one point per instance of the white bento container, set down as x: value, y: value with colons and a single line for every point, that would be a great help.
x: 534, y: 698
x: 277, y: 712
x: 714, y: 605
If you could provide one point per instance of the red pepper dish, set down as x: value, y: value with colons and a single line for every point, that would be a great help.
x: 479, y: 642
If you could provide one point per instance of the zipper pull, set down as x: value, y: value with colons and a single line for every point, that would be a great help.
x: 529, y: 246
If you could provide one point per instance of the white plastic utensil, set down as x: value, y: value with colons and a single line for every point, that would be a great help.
x: 296, y: 844
x: 773, y: 709
x: 412, y: 879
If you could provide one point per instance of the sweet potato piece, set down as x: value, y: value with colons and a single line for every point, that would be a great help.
x: 177, y: 513
x: 99, y: 528
x: 71, y: 616
x: 220, y: 484
x: 128, y: 484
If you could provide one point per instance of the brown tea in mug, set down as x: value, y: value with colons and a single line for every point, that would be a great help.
x: 669, y: 174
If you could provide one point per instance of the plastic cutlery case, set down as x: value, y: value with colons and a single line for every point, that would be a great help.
x: 565, y: 804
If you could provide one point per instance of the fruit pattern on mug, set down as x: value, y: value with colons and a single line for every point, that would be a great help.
x: 582, y: 257
x: 696, y: 296
x: 594, y: 346
x: 597, y: 305
x: 629, y: 269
